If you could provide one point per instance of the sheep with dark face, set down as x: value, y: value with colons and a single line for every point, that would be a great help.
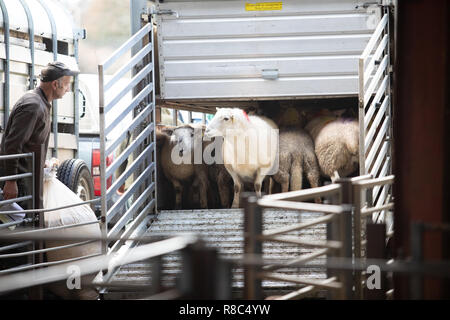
x: 250, y: 147
x: 219, y: 178
x: 180, y: 163
x: 165, y: 191
x: 297, y: 157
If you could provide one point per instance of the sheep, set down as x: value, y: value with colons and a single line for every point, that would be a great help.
x: 250, y: 147
x: 296, y: 156
x: 177, y: 160
x: 165, y: 192
x: 219, y: 178
x: 336, y: 143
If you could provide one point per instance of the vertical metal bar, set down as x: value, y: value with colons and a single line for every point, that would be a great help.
x: 101, y: 103
x: 76, y: 127
x: 388, y: 92
x: 376, y: 249
x: 32, y: 83
x: 190, y: 117
x: 200, y: 265
x: 55, y: 58
x: 203, y: 118
x: 6, y: 85
x: 357, y: 237
x: 156, y: 267
x: 137, y: 8
x: 174, y: 117
x: 361, y: 114
x: 252, y: 247
x: 37, y: 187
x: 158, y: 109
x: 416, y: 280
x: 345, y: 228
x: 33, y: 215
x: 224, y: 281
x: 205, y: 262
x: 39, y: 190
x: 333, y: 234
x: 185, y: 283
x: 345, y: 236
x: 154, y: 121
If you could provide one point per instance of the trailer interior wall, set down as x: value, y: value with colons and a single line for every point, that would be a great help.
x: 231, y: 50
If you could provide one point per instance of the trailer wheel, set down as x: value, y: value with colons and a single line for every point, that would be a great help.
x: 75, y: 174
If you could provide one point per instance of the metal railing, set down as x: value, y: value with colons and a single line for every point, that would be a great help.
x: 375, y: 112
x: 26, y: 232
x: 204, y: 275
x: 364, y: 214
x: 345, y: 216
x: 336, y: 216
x: 24, y: 235
x: 24, y: 278
x: 29, y: 217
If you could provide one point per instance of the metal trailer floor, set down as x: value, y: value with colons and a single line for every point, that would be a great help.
x: 223, y: 229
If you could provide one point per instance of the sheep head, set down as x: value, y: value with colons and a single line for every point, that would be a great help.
x: 225, y: 119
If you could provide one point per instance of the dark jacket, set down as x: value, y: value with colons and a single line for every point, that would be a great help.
x: 28, y: 127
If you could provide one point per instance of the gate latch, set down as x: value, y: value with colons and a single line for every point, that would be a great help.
x: 163, y: 12
x: 269, y: 74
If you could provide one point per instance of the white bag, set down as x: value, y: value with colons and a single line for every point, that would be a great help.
x: 56, y: 194
x: 11, y: 217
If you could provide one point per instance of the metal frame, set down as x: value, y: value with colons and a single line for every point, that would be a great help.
x: 55, y: 58
x: 142, y: 146
x: 362, y: 216
x: 34, y: 215
x: 32, y: 83
x: 6, y: 92
x: 337, y: 217
x: 375, y: 116
x: 19, y: 176
x: 24, y: 277
x: 345, y: 218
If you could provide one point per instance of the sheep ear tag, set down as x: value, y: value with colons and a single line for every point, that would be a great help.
x: 246, y: 115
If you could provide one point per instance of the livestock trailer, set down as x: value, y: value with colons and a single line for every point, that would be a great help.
x: 199, y: 55
x: 320, y: 53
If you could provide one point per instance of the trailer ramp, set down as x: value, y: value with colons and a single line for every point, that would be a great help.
x: 223, y: 230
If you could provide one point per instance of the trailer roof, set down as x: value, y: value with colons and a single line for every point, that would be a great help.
x: 42, y: 25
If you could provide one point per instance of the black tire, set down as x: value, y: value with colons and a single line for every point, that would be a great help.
x: 75, y: 174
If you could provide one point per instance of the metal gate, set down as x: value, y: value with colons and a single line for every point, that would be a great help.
x: 126, y: 216
x: 375, y: 112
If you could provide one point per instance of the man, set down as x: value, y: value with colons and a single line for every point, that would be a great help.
x: 29, y: 124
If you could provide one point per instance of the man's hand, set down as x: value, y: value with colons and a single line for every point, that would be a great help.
x: 10, y: 190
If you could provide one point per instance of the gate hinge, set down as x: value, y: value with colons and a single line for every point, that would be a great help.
x: 145, y: 17
x: 382, y: 3
x: 162, y: 12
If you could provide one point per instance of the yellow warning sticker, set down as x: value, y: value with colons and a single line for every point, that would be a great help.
x: 263, y: 6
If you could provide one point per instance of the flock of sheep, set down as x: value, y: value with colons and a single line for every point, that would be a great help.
x: 326, y: 148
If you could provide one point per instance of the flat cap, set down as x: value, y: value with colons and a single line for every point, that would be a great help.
x: 55, y: 70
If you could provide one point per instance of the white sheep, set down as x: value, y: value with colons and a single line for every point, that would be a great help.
x: 250, y: 147
x: 336, y: 143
